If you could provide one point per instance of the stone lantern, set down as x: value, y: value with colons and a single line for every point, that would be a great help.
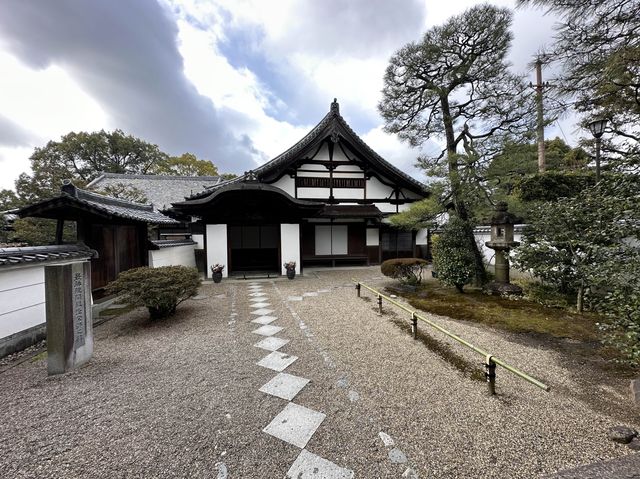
x: 501, y: 242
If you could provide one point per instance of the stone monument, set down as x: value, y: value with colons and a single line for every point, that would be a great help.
x: 69, y: 321
x: 501, y: 242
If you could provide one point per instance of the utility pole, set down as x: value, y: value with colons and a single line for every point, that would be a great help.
x: 540, y: 111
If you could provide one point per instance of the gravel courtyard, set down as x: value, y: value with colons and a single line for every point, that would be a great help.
x: 181, y: 398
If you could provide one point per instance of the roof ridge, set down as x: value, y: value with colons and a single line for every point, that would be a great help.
x: 141, y: 176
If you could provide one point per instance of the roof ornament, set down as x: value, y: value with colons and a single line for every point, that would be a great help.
x: 334, y: 137
x: 335, y: 106
x: 68, y: 188
x: 250, y: 176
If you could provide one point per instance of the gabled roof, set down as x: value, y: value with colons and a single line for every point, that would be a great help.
x: 332, y: 125
x: 74, y: 201
x: 160, y: 190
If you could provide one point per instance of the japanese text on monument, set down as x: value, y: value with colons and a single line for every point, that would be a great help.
x: 78, y: 310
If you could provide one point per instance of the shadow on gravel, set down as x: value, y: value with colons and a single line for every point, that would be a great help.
x: 471, y: 370
x: 138, y: 321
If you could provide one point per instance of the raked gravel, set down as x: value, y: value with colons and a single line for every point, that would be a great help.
x: 181, y: 398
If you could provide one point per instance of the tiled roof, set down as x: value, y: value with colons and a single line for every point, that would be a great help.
x: 351, y: 211
x: 160, y: 190
x: 333, y: 122
x: 159, y: 244
x: 118, y: 207
x: 39, y: 254
x: 73, y: 199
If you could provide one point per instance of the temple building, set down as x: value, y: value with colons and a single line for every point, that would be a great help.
x: 324, y: 201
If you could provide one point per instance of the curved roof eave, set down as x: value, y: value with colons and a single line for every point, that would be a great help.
x: 246, y: 186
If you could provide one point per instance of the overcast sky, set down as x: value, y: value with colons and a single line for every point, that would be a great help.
x: 233, y: 81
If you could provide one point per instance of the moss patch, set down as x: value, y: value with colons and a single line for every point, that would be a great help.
x: 518, y: 315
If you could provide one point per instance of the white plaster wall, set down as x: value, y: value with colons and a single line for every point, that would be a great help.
x: 323, y: 154
x: 313, y: 192
x: 348, y: 168
x: 323, y: 240
x: 198, y: 239
x: 373, y: 237
x: 386, y: 207
x: 403, y: 207
x: 290, y: 245
x: 348, y: 193
x: 422, y: 237
x: 410, y: 194
x: 217, y: 248
x: 286, y: 184
x: 483, y: 236
x: 312, y: 166
x: 173, y: 256
x: 376, y: 190
x: 22, y: 300
x: 324, y: 173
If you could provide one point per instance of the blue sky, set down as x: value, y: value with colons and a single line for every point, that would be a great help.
x: 233, y: 81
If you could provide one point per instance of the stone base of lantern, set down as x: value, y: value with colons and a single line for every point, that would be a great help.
x: 498, y: 288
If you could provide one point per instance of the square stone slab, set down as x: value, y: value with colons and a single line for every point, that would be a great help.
x: 257, y: 295
x: 277, y: 361
x: 264, y: 320
x: 260, y: 305
x: 255, y: 289
x: 295, y: 424
x: 267, y: 330
x: 294, y: 298
x: 310, y: 466
x: 257, y: 300
x: 313, y: 293
x: 262, y: 311
x: 285, y: 386
x: 271, y: 344
x: 324, y: 291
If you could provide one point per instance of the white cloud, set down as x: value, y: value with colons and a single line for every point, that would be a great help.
x: 46, y: 103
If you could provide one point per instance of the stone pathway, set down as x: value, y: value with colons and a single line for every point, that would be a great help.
x: 295, y: 424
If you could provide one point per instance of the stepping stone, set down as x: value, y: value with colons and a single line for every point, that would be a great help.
x: 262, y: 311
x: 257, y: 300
x: 294, y: 298
x: 257, y: 295
x: 310, y: 294
x: 264, y: 320
x: 271, y: 344
x: 324, y: 291
x: 267, y: 330
x: 295, y: 425
x: 255, y: 288
x: 310, y: 466
x: 277, y: 361
x: 285, y: 386
x: 260, y: 305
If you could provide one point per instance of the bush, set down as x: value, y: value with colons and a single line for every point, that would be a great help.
x: 160, y: 290
x: 407, y: 270
x: 453, y: 259
x: 551, y: 185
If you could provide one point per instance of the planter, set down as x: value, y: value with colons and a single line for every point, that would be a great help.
x: 291, y: 273
x: 217, y: 277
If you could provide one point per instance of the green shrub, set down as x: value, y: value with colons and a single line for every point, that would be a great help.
x: 160, y: 290
x: 551, y: 185
x: 406, y: 270
x: 453, y: 259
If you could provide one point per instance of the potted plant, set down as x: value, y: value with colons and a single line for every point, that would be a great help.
x: 216, y: 272
x: 290, y: 266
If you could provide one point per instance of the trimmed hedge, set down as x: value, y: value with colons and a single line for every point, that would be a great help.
x: 160, y: 290
x: 406, y: 270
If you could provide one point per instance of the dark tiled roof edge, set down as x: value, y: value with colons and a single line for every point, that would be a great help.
x: 171, y: 243
x: 40, y: 254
